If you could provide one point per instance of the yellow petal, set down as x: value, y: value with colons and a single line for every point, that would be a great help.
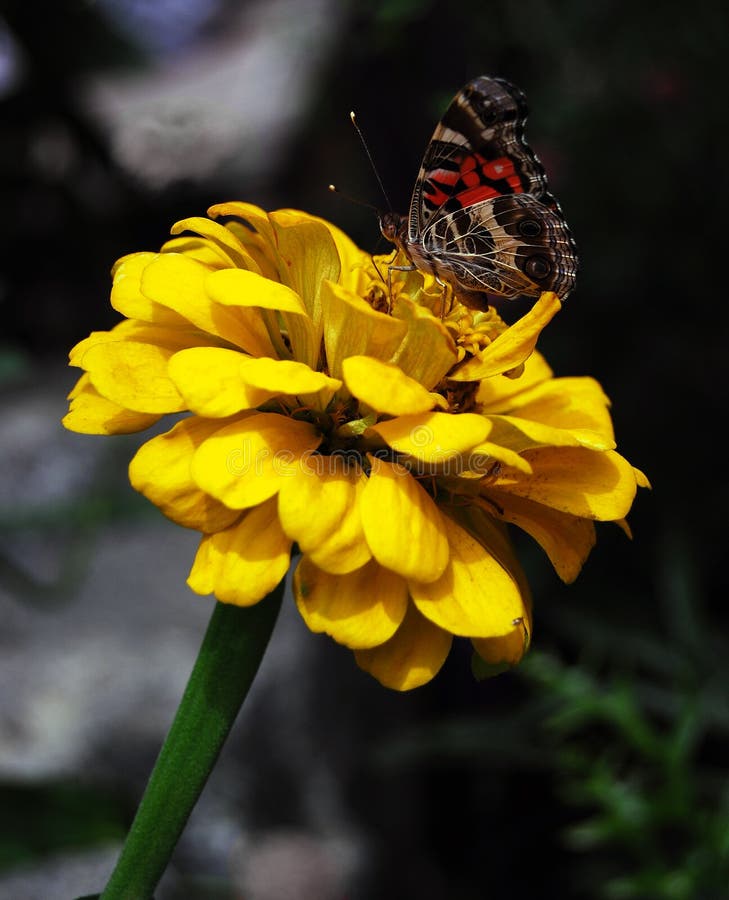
x: 243, y: 563
x: 309, y: 254
x: 514, y: 345
x: 126, y: 295
x: 200, y: 249
x: 304, y: 254
x: 434, y: 437
x: 235, y: 287
x: 209, y: 379
x: 255, y: 232
x: 134, y: 375
x: 90, y: 413
x: 318, y: 505
x: 403, y: 526
x: 286, y: 377
x: 384, y: 387
x: 239, y: 288
x: 179, y: 283
x: 244, y: 463
x: 476, y: 596
x: 353, y: 328
x: 481, y: 459
x: 360, y: 609
x: 495, y: 394
x: 161, y: 471
x: 427, y: 351
x: 575, y: 480
x: 506, y: 650
x: 254, y: 215
x: 350, y: 256
x: 520, y: 434
x: 566, y: 539
x: 412, y: 657
x: 164, y: 336
x: 226, y: 243
x: 577, y: 405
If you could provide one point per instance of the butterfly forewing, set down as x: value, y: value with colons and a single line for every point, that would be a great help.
x: 477, y: 151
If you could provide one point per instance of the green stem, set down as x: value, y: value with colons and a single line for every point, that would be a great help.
x: 229, y: 657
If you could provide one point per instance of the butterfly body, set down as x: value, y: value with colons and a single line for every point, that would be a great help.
x: 481, y: 216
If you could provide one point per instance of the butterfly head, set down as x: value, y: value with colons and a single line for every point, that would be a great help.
x: 393, y: 227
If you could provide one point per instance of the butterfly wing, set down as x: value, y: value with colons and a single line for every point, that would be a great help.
x: 507, y: 245
x: 477, y: 152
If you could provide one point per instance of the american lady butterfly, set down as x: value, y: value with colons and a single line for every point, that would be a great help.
x: 481, y: 217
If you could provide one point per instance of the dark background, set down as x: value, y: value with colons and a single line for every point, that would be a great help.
x: 598, y: 769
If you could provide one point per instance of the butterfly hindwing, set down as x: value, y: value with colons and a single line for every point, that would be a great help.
x: 509, y: 245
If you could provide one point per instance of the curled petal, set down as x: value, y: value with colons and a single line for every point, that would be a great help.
x: 360, y: 609
x: 243, y: 563
x: 566, y: 539
x: 476, y: 596
x: 243, y: 464
x: 514, y: 345
x: 403, y: 526
x: 412, y: 657
x: 228, y: 247
x: 255, y: 232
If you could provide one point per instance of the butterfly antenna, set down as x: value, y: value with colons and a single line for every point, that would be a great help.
x: 372, y: 162
x: 335, y: 190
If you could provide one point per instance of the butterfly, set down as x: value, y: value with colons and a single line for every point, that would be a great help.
x: 481, y: 216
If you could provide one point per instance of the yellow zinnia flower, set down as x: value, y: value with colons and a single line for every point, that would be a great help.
x: 389, y: 437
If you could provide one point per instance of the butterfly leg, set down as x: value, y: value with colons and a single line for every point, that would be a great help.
x: 444, y: 285
x: 390, y: 270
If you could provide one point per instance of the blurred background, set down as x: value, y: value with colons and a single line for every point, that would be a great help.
x: 598, y: 769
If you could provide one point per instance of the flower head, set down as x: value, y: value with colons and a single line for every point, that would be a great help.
x: 391, y: 437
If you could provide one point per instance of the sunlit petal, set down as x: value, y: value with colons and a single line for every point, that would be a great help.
x: 410, y: 538
x: 360, y: 609
x: 244, y: 463
x: 476, y: 596
x: 246, y: 561
x: 412, y: 657
x: 319, y: 507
